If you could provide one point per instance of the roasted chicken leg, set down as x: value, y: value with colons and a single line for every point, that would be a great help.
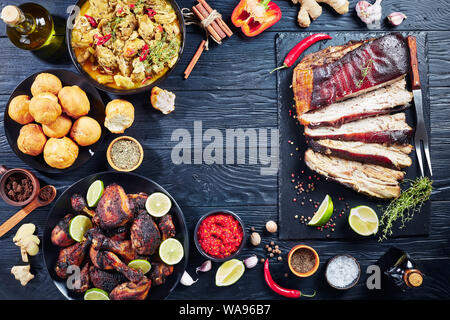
x: 60, y: 234
x: 122, y: 248
x: 79, y: 205
x: 166, y: 227
x: 82, y: 284
x: 131, y: 291
x: 105, y: 280
x: 114, y: 209
x: 70, y: 256
x: 145, y: 234
x: 159, y: 272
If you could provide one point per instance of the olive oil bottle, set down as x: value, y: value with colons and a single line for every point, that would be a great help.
x: 29, y: 26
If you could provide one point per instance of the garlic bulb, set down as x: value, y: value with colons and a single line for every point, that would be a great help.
x: 369, y: 13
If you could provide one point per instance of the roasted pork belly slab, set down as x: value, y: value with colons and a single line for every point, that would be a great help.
x: 384, y: 100
x: 387, y: 129
x: 363, y: 68
x: 394, y: 156
x: 372, y: 180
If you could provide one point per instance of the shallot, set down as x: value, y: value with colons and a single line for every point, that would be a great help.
x: 251, y: 262
x: 369, y: 13
x: 186, y: 280
x: 205, y: 267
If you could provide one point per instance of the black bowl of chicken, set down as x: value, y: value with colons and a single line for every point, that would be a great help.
x: 132, y: 184
x: 69, y: 26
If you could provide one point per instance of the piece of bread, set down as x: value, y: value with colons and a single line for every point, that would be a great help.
x: 86, y: 131
x: 119, y: 115
x: 74, y: 101
x: 46, y: 82
x: 19, y: 111
x: 58, y: 128
x: 163, y: 100
x: 45, y: 108
x: 31, y: 139
x: 60, y: 153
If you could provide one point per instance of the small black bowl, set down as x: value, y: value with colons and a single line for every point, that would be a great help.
x: 68, y: 78
x: 199, y: 248
x: 354, y: 282
x: 70, y: 21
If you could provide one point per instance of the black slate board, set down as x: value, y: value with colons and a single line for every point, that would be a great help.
x: 293, y: 146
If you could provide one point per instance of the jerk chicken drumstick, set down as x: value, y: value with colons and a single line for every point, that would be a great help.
x: 123, y: 231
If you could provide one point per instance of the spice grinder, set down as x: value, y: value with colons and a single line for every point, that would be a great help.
x: 6, y: 174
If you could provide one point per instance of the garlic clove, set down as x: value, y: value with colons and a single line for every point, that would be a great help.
x: 205, y: 267
x: 396, y: 18
x: 186, y: 280
x: 251, y: 262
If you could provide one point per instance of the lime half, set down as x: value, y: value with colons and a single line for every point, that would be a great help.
x: 323, y: 214
x: 171, y: 251
x: 158, y: 204
x: 363, y: 220
x: 96, y: 294
x: 229, y: 272
x: 140, y: 264
x: 94, y: 193
x: 78, y: 227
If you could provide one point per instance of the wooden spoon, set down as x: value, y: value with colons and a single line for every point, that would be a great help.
x: 19, y: 216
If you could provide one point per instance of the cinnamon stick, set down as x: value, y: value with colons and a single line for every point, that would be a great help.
x: 194, y: 60
x: 220, y: 21
x: 214, y: 24
x: 211, y: 30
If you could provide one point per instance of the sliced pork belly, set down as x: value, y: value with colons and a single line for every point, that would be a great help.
x: 381, y: 101
x: 394, y: 156
x: 388, y: 129
x: 369, y: 179
x: 369, y: 66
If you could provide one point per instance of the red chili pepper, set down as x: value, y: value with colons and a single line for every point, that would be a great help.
x: 92, y: 21
x: 144, y: 53
x: 151, y: 12
x: 293, y: 55
x: 119, y: 10
x: 103, y: 40
x: 145, y: 80
x: 244, y: 16
x: 132, y: 6
x: 288, y: 293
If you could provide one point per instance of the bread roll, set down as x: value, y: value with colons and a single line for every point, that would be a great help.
x: 31, y: 139
x: 60, y: 153
x: 45, y: 108
x: 119, y: 115
x: 86, y: 131
x: 46, y: 82
x: 74, y: 101
x: 58, y: 128
x: 19, y: 109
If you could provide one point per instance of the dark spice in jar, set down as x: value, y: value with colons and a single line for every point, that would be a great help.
x: 303, y: 260
x: 46, y: 193
x: 125, y: 154
x: 18, y: 187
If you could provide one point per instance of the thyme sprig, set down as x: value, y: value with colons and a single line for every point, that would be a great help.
x: 364, y: 72
x: 405, y: 206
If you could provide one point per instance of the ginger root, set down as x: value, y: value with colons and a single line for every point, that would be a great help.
x: 311, y: 10
x: 22, y: 273
x: 27, y: 241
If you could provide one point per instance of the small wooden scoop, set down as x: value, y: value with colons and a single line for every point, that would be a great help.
x: 19, y: 216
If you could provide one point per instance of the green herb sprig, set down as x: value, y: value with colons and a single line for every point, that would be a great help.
x: 364, y: 72
x: 406, y: 205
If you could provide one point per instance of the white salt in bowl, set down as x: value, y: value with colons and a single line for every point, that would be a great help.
x: 343, y: 272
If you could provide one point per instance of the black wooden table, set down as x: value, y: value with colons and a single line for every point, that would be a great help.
x: 229, y: 89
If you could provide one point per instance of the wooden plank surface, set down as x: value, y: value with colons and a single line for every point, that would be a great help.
x: 230, y: 88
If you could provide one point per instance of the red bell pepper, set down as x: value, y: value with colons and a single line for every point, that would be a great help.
x: 255, y: 16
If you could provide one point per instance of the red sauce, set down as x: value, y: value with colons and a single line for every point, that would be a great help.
x: 220, y: 235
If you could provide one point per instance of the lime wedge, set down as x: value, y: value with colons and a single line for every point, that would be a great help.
x: 140, y: 264
x: 78, y: 227
x: 323, y: 214
x: 94, y: 193
x: 363, y: 220
x: 96, y: 294
x: 158, y: 204
x: 171, y: 251
x: 229, y: 272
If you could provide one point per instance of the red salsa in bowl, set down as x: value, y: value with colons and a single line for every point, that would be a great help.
x: 219, y: 235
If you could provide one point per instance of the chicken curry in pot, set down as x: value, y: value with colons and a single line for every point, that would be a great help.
x: 126, y: 44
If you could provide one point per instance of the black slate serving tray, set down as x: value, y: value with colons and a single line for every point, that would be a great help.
x: 293, y: 170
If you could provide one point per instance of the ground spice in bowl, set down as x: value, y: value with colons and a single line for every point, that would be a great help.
x: 46, y: 193
x: 125, y: 154
x: 303, y: 260
x: 18, y: 187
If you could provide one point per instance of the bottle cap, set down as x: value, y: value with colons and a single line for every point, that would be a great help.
x: 11, y: 15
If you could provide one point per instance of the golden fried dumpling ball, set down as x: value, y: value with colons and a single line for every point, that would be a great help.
x: 60, y: 153
x: 46, y: 82
x: 86, y: 131
x: 31, y: 139
x: 19, y: 109
x: 45, y: 108
x: 119, y: 115
x: 58, y: 128
x: 74, y: 101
